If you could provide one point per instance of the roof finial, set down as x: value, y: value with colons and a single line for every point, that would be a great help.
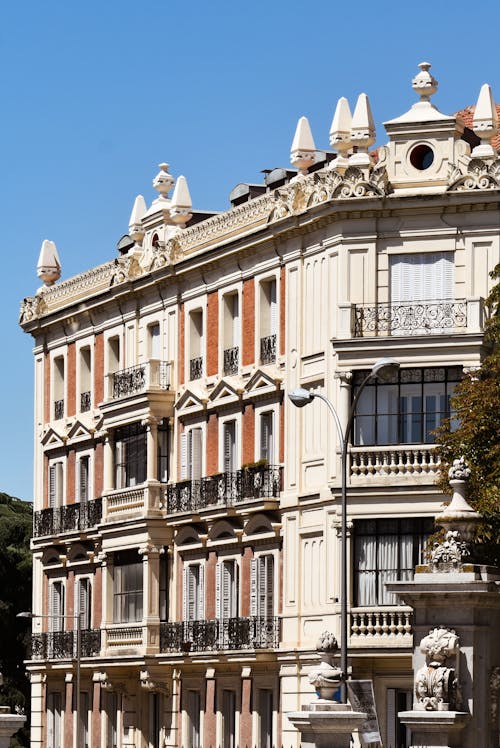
x: 362, y: 132
x: 485, y: 123
x: 49, y: 264
x: 340, y: 134
x: 136, y: 229
x: 163, y: 182
x: 303, y: 151
x: 181, y: 204
x: 424, y: 83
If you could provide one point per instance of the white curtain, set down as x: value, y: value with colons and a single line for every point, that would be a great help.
x: 366, y: 564
x: 388, y: 567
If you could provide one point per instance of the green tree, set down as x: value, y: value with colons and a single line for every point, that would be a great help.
x: 477, y: 406
x: 16, y: 521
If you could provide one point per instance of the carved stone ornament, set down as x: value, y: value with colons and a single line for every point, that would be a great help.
x: 495, y: 698
x: 479, y: 175
x: 436, y: 685
x: 126, y: 268
x: 459, y: 470
x: 31, y: 307
x: 326, y: 677
x: 449, y: 554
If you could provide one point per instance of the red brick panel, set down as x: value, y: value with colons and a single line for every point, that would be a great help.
x: 70, y: 478
x: 246, y: 713
x: 282, y: 433
x: 248, y: 320
x: 212, y: 334
x: 180, y: 356
x: 210, y: 726
x: 212, y: 444
x: 71, y: 380
x: 245, y: 581
x: 68, y: 715
x: 282, y: 312
x: 248, y: 434
x: 69, y: 597
x: 210, y: 585
x: 98, y: 469
x: 96, y: 715
x: 98, y: 368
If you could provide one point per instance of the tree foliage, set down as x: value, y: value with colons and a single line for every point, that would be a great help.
x: 15, y: 595
x: 477, y: 406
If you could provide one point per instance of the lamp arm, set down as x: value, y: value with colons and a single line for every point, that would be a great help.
x: 334, y: 414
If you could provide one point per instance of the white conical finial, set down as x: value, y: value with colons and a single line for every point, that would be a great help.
x: 424, y: 83
x: 485, y: 123
x: 362, y: 131
x: 180, y: 205
x: 136, y: 229
x: 340, y: 133
x: 303, y: 151
x: 49, y: 264
x: 163, y: 182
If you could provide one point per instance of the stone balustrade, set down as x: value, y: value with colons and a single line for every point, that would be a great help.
x: 382, y: 626
x: 125, y: 503
x: 371, y: 463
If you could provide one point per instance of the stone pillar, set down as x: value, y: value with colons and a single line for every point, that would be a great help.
x: 108, y: 468
x: 246, y: 706
x: 210, y: 726
x: 151, y: 596
x: 344, y: 401
x: 151, y: 448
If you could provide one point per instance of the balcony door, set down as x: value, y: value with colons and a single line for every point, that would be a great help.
x: 194, y: 592
x: 227, y: 589
x: 262, y: 587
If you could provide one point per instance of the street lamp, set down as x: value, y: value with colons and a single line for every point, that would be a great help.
x: 29, y: 614
x: 300, y: 397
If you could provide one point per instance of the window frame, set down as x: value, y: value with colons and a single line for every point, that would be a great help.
x: 123, y: 596
x: 125, y: 437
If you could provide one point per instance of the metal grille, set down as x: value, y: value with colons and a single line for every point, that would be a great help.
x: 58, y: 409
x: 129, y: 381
x: 212, y: 635
x: 268, y: 349
x: 55, y: 520
x: 231, y: 360
x: 84, y: 402
x: 61, y: 645
x: 411, y: 318
x: 196, y: 368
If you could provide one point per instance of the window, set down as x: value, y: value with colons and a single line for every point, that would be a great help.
x: 163, y: 587
x: 398, y: 735
x: 82, y: 472
x: 84, y: 719
x: 127, y: 587
x: 111, y: 709
x: 130, y: 451
x: 265, y: 718
x: 56, y: 606
x: 226, y: 592
x: 194, y: 592
x: 422, y: 277
x: 193, y: 719
x: 85, y: 379
x: 113, y: 354
x: 407, y: 408
x: 154, y: 341
x: 56, y: 484
x: 262, y: 586
x: 83, y: 602
x: 54, y: 721
x: 267, y: 437
x: 387, y: 550
x: 231, y: 333
x: 163, y: 451
x: 195, y: 344
x: 268, y: 321
x: 229, y: 447
x: 58, y: 387
x: 191, y: 454
x: 154, y: 720
x: 228, y: 719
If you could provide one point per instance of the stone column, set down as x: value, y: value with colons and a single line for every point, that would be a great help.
x: 150, y: 601
x: 246, y: 706
x: 108, y: 467
x: 210, y: 726
x: 152, y: 448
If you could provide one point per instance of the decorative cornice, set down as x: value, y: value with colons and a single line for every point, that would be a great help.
x: 477, y: 175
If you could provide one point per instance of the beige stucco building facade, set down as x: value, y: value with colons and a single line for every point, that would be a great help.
x: 182, y: 504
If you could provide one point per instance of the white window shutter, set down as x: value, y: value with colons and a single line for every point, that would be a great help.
x: 226, y: 589
x: 253, y: 587
x: 52, y: 486
x: 229, y: 446
x: 83, y: 479
x: 83, y: 602
x: 266, y: 437
x: 154, y: 332
x: 196, y: 454
x: 184, y: 455
x: 235, y: 591
x: 218, y: 590
x: 185, y: 593
x: 201, y: 593
x: 192, y: 591
x: 268, y: 610
x: 59, y: 483
x: 119, y: 467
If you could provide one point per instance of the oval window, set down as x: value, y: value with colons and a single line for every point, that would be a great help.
x: 421, y: 157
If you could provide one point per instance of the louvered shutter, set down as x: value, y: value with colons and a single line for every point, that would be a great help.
x: 59, y: 483
x: 253, y: 587
x: 200, y: 612
x: 83, y: 603
x: 218, y: 590
x: 119, y: 464
x: 273, y: 309
x: 229, y: 446
x: 196, y: 455
x: 192, y: 591
x: 391, y: 718
x: 56, y: 606
x: 184, y: 455
x: 235, y: 579
x: 185, y: 593
x: 268, y: 610
x: 226, y: 590
x: 52, y: 486
x: 83, y: 479
x: 266, y: 437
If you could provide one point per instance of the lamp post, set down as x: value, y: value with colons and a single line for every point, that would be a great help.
x: 301, y: 397
x: 29, y: 614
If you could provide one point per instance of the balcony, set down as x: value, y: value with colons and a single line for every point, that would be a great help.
x: 268, y: 349
x: 225, y: 489
x: 85, y: 402
x: 231, y: 360
x: 224, y: 634
x: 127, y: 503
x: 387, y: 626
x: 71, y: 518
x: 417, y: 318
x: 394, y: 464
x: 196, y: 368
x: 149, y: 376
x: 61, y: 645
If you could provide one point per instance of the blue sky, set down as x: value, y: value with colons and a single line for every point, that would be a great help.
x: 95, y: 95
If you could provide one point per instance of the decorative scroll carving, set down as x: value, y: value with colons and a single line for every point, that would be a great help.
x: 479, y: 175
x: 31, y: 307
x: 126, y: 268
x: 436, y: 685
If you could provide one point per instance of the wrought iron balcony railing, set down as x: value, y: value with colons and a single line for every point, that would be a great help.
x: 268, y: 349
x: 61, y: 645
x: 58, y: 409
x: 230, y: 633
x: 231, y: 360
x: 225, y: 489
x: 152, y: 374
x: 196, y: 368
x: 410, y: 318
x: 85, y: 402
x: 71, y: 518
